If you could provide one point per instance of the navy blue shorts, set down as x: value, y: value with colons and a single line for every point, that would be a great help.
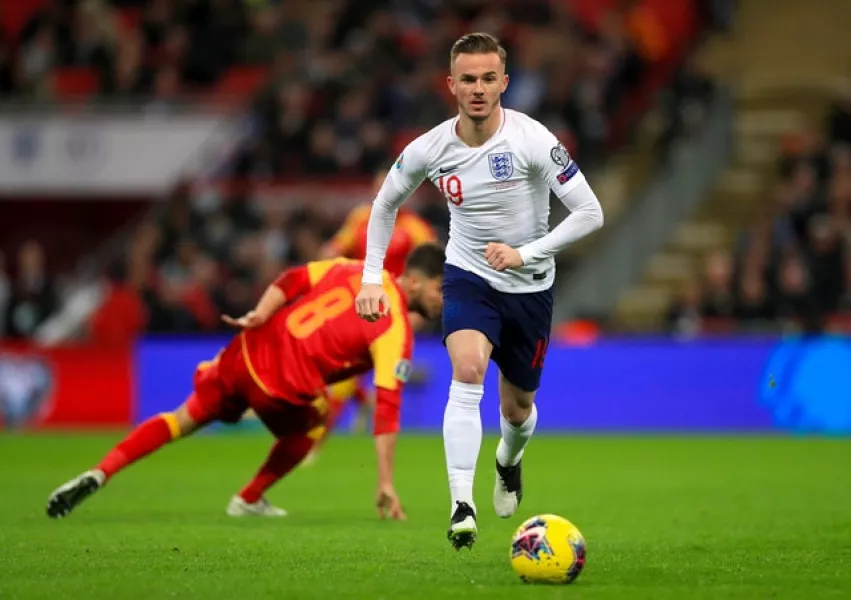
x: 518, y: 325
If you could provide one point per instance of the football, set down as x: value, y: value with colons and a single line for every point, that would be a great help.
x: 548, y: 549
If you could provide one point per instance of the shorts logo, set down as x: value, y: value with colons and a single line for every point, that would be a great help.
x: 540, y: 352
x: 568, y: 173
x: 403, y: 370
x: 501, y: 165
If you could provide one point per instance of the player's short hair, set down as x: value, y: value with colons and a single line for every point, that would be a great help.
x: 428, y: 259
x: 477, y: 43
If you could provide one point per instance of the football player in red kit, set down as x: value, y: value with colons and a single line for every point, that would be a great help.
x: 302, y: 336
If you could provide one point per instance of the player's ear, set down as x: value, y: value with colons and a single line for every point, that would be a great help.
x: 504, y: 82
x: 450, y: 82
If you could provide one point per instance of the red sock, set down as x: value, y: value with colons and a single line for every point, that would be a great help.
x: 147, y: 437
x: 283, y: 458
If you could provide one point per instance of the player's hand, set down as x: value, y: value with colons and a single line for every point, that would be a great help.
x: 388, y: 504
x: 503, y: 256
x: 372, y: 303
x: 249, y: 320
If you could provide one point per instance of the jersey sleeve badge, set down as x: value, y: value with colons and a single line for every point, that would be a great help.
x: 560, y: 156
x: 403, y: 370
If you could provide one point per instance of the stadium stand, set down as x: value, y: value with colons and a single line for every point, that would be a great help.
x: 769, y: 248
x: 333, y: 90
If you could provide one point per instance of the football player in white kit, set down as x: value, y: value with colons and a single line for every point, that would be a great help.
x: 496, y: 168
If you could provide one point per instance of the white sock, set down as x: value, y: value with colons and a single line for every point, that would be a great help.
x: 462, y: 439
x: 514, y: 439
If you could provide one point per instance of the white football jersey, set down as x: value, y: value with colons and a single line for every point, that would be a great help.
x: 498, y: 192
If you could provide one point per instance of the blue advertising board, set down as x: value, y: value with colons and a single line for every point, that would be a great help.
x: 615, y: 385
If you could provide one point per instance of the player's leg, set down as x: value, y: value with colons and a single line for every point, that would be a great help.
x: 517, y: 420
x: 285, y: 454
x: 525, y: 337
x: 297, y: 428
x: 470, y: 322
x: 145, y: 439
x: 211, y: 400
x: 364, y: 402
x: 337, y: 396
x: 469, y: 352
x: 335, y: 410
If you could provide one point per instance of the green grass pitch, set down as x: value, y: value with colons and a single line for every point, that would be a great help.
x: 664, y: 518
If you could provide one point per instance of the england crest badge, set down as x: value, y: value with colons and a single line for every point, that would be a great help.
x: 501, y: 165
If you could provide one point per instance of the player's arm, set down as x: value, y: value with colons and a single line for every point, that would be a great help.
x: 562, y: 174
x: 385, y: 429
x: 273, y: 299
x: 391, y: 352
x: 289, y: 285
x: 401, y: 181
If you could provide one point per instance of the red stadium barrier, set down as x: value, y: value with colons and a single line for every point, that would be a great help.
x: 80, y: 386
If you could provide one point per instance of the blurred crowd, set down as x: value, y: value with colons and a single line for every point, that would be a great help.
x: 29, y: 297
x: 793, y: 263
x: 349, y: 81
x: 354, y: 79
x: 348, y: 78
x: 140, y: 50
x: 201, y: 257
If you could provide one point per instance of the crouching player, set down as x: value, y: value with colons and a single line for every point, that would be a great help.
x: 302, y: 336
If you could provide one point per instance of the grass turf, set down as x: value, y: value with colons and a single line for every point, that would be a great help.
x: 663, y: 517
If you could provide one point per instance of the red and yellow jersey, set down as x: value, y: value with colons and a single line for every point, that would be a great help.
x: 318, y: 339
x: 411, y: 231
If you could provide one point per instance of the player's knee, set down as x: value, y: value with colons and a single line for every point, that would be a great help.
x: 469, y: 369
x: 184, y: 421
x: 516, y: 414
x: 516, y: 404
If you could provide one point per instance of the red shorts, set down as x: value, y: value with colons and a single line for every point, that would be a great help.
x: 225, y: 389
